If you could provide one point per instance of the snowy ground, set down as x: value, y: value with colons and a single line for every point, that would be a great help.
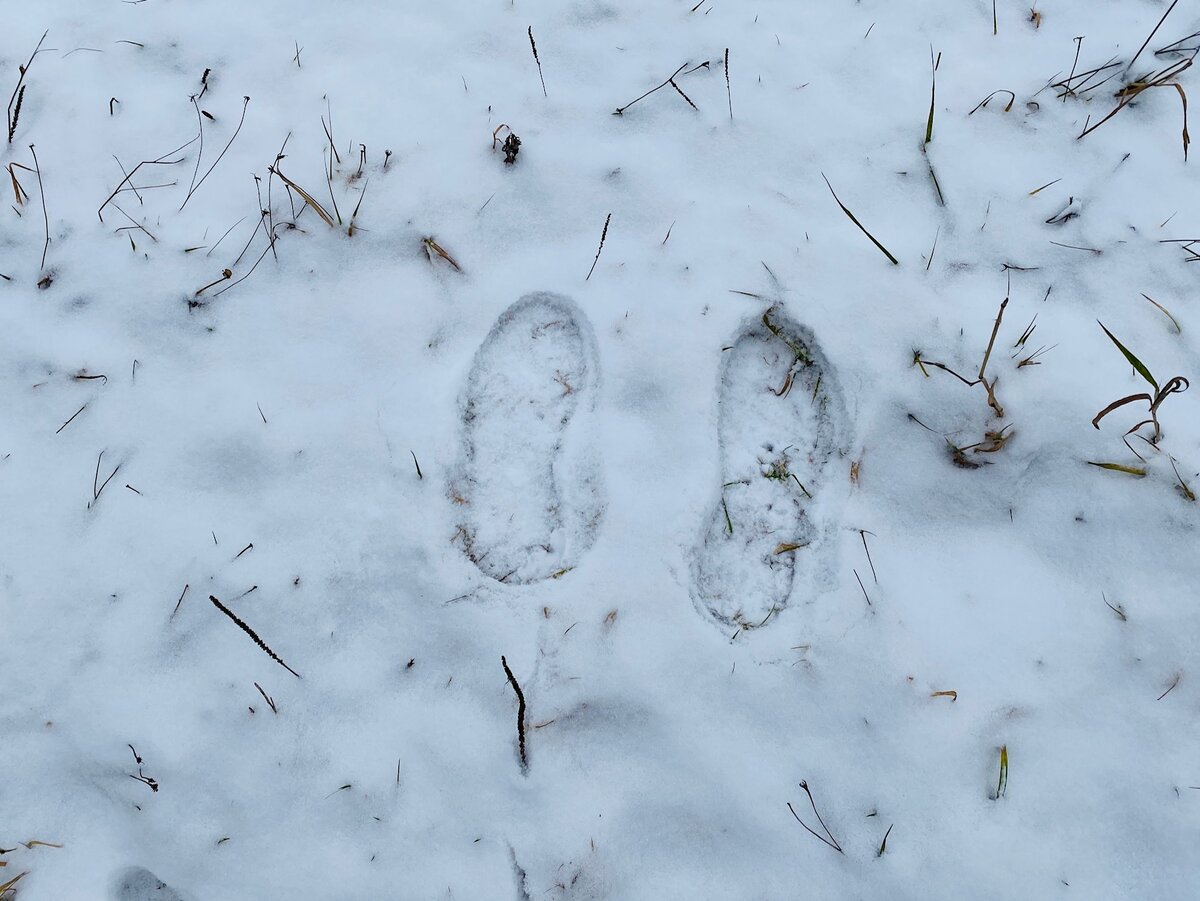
x: 654, y: 503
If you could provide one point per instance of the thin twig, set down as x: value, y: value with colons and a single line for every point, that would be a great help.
x: 18, y: 90
x: 620, y: 110
x: 538, y: 61
x: 253, y: 635
x: 1151, y: 35
x: 728, y: 92
x: 520, y: 712
x: 603, y: 235
x: 863, y: 533
x: 828, y: 837
x: 180, y: 601
x: 245, y: 103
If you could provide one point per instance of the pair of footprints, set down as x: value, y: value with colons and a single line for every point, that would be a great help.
x: 528, y: 483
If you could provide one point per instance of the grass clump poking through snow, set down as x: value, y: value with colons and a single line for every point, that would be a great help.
x: 996, y: 437
x: 1176, y: 385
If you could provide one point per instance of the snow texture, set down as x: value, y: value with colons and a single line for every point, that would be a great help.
x: 202, y: 399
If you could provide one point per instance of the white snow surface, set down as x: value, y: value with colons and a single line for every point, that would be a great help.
x: 265, y: 438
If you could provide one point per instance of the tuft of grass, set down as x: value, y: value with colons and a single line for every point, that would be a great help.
x: 981, y: 378
x: 1163, y: 78
x: 1176, y: 385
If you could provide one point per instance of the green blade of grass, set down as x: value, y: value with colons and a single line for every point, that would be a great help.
x: 887, y: 253
x: 1133, y: 361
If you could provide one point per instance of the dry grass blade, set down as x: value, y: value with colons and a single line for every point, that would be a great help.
x: 828, y: 838
x: 1150, y: 36
x: 887, y: 253
x: 1167, y: 313
x: 1184, y: 489
x: 7, y: 886
x: 1186, y: 139
x: 1119, y: 467
x: 1117, y: 404
x: 1132, y: 90
x: 220, y: 156
x: 18, y: 191
x: 1118, y: 610
x: 45, y: 216
x: 433, y: 248
x: 308, y: 198
x: 1037, y: 191
x: 1012, y: 98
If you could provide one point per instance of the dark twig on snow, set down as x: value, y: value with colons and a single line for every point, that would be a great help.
x: 533, y: 46
x: 620, y: 110
x: 827, y: 838
x: 887, y: 253
x: 233, y: 137
x: 18, y: 94
x: 512, y: 680
x: 603, y: 235
x: 728, y: 92
x: 253, y: 635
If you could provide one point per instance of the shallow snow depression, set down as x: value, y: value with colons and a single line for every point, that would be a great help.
x: 787, y: 493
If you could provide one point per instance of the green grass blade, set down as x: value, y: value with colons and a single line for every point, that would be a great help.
x: 1133, y: 361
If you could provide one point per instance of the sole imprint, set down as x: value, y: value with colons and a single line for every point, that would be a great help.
x: 528, y: 489
x: 778, y: 427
